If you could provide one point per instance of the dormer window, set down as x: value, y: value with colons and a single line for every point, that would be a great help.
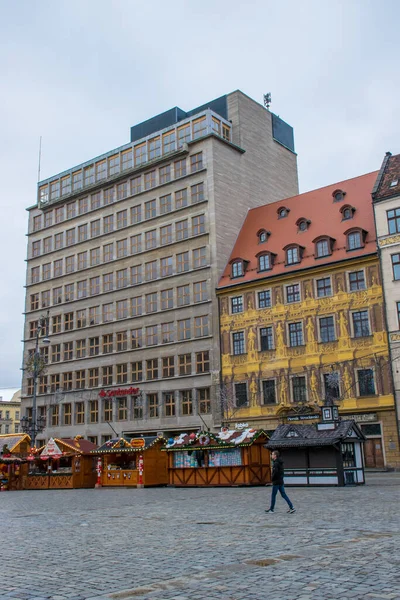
x: 302, y: 224
x: 394, y: 183
x: 293, y: 254
x: 338, y: 195
x: 323, y: 246
x: 238, y: 267
x: 265, y: 261
x: 263, y: 236
x: 282, y: 212
x: 347, y: 212
x: 355, y: 238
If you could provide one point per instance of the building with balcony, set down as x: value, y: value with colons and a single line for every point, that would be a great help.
x: 10, y: 411
x: 125, y: 252
x: 302, y: 317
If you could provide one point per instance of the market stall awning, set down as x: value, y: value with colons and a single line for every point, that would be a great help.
x: 227, y: 438
x: 124, y: 445
x: 51, y: 450
x: 303, y: 436
x: 13, y: 440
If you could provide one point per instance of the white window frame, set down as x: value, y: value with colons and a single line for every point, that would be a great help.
x: 362, y: 309
x: 265, y: 326
x: 269, y: 289
x: 288, y: 333
x: 244, y: 341
x: 230, y: 304
x: 319, y: 317
x: 290, y: 285
x: 316, y: 287
x: 348, y: 280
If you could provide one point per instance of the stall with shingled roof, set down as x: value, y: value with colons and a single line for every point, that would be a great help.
x: 228, y: 458
x: 63, y: 463
x: 132, y: 462
x: 326, y: 453
x: 14, y: 448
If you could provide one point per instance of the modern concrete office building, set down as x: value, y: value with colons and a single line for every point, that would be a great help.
x: 124, y: 254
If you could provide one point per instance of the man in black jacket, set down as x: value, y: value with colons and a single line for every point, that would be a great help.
x: 277, y: 483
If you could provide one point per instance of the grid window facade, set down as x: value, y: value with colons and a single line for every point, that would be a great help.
x: 295, y: 334
x: 266, y: 338
x: 324, y: 287
x: 237, y: 304
x: 357, y: 281
x: 185, y: 364
x: 327, y: 329
x: 299, y: 389
x: 186, y: 402
x: 167, y: 299
x: 202, y: 362
x: 361, y: 326
x: 168, y: 366
x: 238, y: 342
x: 204, y: 400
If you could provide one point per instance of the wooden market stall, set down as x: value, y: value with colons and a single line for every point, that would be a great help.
x: 228, y: 458
x: 65, y: 463
x: 14, y: 448
x: 325, y: 453
x: 132, y: 463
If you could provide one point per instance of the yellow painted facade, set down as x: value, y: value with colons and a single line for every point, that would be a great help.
x: 10, y: 414
x: 351, y: 358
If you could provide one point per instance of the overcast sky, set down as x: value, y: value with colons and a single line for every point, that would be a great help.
x: 80, y: 73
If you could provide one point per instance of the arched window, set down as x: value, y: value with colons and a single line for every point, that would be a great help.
x: 347, y: 212
x: 323, y: 246
x: 355, y: 238
x: 294, y: 254
x: 282, y: 212
x: 263, y: 236
x: 265, y: 261
x: 303, y: 224
x: 338, y: 195
x: 238, y: 267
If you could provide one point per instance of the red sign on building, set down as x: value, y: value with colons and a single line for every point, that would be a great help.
x: 131, y: 391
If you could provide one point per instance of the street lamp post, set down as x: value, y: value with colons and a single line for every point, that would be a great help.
x: 35, y: 425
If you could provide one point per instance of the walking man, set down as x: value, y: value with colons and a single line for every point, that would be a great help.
x: 277, y: 483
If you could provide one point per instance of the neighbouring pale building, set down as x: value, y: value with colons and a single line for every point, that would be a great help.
x: 303, y: 318
x: 125, y: 252
x: 10, y: 411
x: 386, y: 202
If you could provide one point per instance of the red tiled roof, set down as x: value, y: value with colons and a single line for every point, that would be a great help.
x: 318, y: 207
x: 390, y: 176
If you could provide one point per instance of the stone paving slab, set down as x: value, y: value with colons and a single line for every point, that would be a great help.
x: 217, y: 543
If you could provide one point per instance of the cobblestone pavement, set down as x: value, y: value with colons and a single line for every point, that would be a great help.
x: 215, y: 544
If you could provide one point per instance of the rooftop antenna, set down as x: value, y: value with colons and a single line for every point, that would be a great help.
x: 267, y: 100
x: 40, y: 155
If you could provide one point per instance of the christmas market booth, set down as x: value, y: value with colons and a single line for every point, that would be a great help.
x: 326, y: 453
x: 13, y: 451
x: 65, y: 463
x: 228, y: 458
x: 136, y: 462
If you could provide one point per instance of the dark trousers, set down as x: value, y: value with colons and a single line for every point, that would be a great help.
x: 279, y: 488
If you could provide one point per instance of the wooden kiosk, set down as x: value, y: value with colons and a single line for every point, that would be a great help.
x: 65, y: 463
x: 229, y: 458
x: 325, y: 453
x: 13, y: 451
x: 132, y: 463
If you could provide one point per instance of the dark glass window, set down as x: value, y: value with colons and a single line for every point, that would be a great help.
x: 241, y: 394
x: 393, y: 217
x: 264, y: 299
x: 299, y: 389
x: 322, y: 248
x: 269, y: 391
x: 237, y: 269
x: 238, y: 342
x: 292, y: 255
x: 348, y: 454
x: 264, y: 262
x: 366, y: 383
x: 266, y: 338
x: 396, y: 266
x: 324, y: 287
x: 357, y: 281
x: 293, y: 293
x: 361, y: 323
x: 354, y: 240
x: 327, y: 329
x: 295, y: 334
x: 237, y: 304
x: 331, y: 384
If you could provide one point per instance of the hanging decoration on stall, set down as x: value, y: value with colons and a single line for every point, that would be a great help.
x: 204, y: 439
x: 137, y: 443
x: 51, y: 450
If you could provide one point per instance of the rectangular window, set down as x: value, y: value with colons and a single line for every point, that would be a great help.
x: 184, y: 332
x: 154, y: 148
x: 169, y: 403
x: 164, y: 174
x: 393, y: 217
x: 95, y: 228
x: 183, y: 134
x: 167, y: 300
x: 56, y: 353
x: 199, y: 127
x: 167, y: 332
x: 79, y: 413
x: 93, y: 408
x: 69, y: 264
x: 69, y: 295
x: 122, y: 278
x: 150, y: 209
x: 140, y: 154
x: 183, y: 295
x: 108, y: 312
x: 94, y: 315
x: 81, y: 318
x: 94, y: 286
x: 186, y: 402
x: 108, y: 224
x: 266, y: 338
x: 185, y: 364
x: 264, y: 299
x: 136, y: 306
x: 180, y: 168
x: 55, y: 414
x: 196, y: 162
x: 108, y: 282
x: 238, y: 342
x: 58, y: 268
x: 149, y: 181
x: 80, y: 380
x: 46, y: 271
x: 136, y: 274
x: 295, y: 334
x: 181, y: 198
x: 67, y: 381
x: 122, y: 373
x: 122, y: 341
x: 83, y: 206
x: 136, y: 185
x: 152, y: 368
x: 202, y: 362
x: 122, y: 248
x: 55, y: 383
x: 293, y: 293
x: 201, y: 326
x: 237, y: 304
x: 396, y: 266
x: 93, y: 378
x: 88, y: 175
x: 166, y: 266
x: 80, y: 348
x: 37, y: 223
x: 68, y: 321
x: 81, y: 287
x: 107, y: 343
x: 166, y: 235
x: 70, y: 237
x: 331, y: 385
x: 122, y: 192
x: 108, y: 252
x: 58, y: 241
x: 199, y: 258
x: 165, y: 204
x: 168, y: 366
x: 59, y: 214
x: 47, y: 244
x: 136, y: 243
x: 292, y: 255
x: 82, y: 232
x: 136, y: 338
x: 181, y: 230
x: 152, y: 403
x: 216, y: 126
x: 324, y: 287
x: 169, y: 141
x: 182, y: 262
x: 113, y: 164
x: 361, y: 323
x: 94, y: 346
x: 136, y: 214
x: 56, y: 324
x: 101, y: 170
x: 357, y: 281
x: 200, y: 292
x: 137, y: 371
x: 269, y: 391
x: 354, y: 240
x: 204, y: 399
x: 198, y: 225
x: 151, y: 302
x: 122, y: 219
x: 241, y: 394
x: 150, y: 239
x: 299, y: 389
x: 226, y: 132
x: 34, y: 305
x: 151, y: 335
x: 366, y: 382
x: 68, y: 351
x: 82, y: 260
x: 122, y: 309
x: 151, y: 270
x: 327, y: 329
x: 108, y: 196
x: 35, y: 274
